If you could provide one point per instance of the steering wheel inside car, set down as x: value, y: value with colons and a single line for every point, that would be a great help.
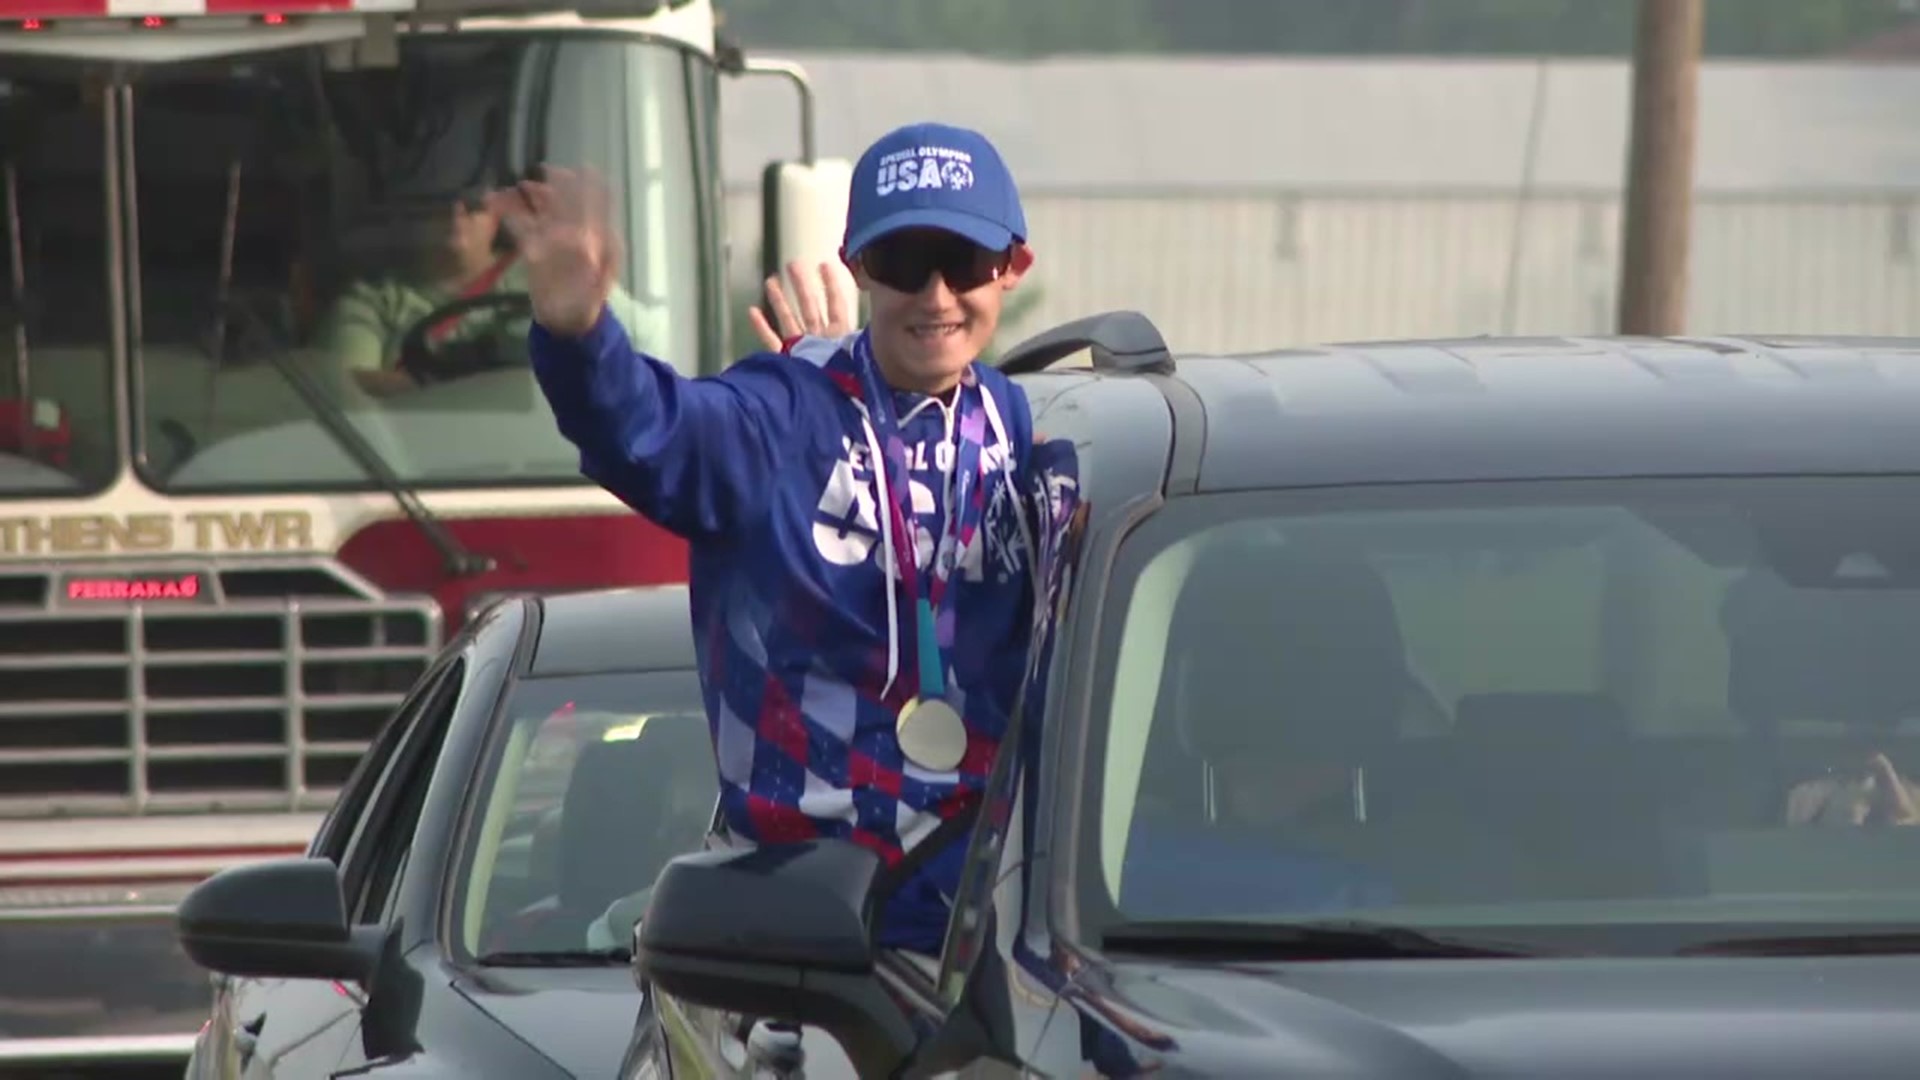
x: 427, y: 363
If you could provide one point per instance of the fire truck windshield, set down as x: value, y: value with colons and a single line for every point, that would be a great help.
x: 287, y: 214
x: 55, y: 345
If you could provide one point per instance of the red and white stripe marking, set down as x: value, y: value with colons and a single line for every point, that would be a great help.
x: 159, y: 849
x: 175, y: 9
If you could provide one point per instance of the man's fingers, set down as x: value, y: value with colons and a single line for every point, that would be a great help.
x: 537, y: 195
x: 790, y: 325
x: 762, y: 327
x: 807, y: 300
x: 596, y: 197
x: 839, y: 316
x: 578, y: 197
x: 514, y: 214
x: 558, y: 178
x: 1890, y: 791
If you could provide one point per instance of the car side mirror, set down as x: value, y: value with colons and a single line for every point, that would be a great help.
x: 778, y: 933
x: 282, y: 919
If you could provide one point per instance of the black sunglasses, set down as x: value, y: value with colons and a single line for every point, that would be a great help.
x: 905, y: 261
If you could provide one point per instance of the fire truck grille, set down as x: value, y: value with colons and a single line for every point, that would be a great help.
x: 260, y: 691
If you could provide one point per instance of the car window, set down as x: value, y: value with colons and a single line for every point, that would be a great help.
x: 596, y: 782
x: 390, y: 845
x: 344, y: 818
x: 1521, y: 704
x: 393, y: 805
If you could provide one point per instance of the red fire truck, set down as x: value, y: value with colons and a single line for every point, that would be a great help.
x: 260, y: 447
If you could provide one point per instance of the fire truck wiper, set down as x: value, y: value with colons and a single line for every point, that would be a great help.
x: 459, y: 561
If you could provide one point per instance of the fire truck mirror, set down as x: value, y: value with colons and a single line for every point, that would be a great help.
x: 803, y: 211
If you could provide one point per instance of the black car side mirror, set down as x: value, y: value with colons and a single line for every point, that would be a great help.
x: 778, y: 933
x: 283, y: 919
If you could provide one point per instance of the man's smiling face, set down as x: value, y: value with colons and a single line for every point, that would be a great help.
x: 924, y: 338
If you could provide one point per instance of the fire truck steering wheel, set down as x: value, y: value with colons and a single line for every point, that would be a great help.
x: 428, y: 363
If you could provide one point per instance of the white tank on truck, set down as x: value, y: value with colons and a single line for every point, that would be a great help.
x: 267, y: 428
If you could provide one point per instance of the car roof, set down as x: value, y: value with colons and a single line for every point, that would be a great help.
x: 1540, y: 408
x: 1519, y: 408
x: 613, y: 630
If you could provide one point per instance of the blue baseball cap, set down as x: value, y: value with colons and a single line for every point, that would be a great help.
x: 934, y: 176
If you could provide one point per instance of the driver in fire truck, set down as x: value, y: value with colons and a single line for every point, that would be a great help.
x: 464, y: 265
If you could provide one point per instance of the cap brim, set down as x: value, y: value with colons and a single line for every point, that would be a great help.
x: 977, y: 229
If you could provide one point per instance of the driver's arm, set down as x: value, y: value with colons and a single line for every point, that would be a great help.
x: 356, y: 333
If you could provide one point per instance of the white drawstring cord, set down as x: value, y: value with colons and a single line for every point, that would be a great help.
x: 884, y: 511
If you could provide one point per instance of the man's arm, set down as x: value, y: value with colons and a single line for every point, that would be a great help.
x: 697, y: 456
x: 356, y: 332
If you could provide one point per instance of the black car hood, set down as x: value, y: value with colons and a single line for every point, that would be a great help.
x: 1571, y: 1020
x: 579, y: 1018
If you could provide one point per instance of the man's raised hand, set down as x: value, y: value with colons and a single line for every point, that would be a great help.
x: 822, y: 308
x: 1880, y: 796
x: 562, y: 225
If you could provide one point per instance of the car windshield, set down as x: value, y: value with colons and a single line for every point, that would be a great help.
x: 57, y: 429
x: 332, y: 222
x: 1592, y: 707
x: 597, y: 781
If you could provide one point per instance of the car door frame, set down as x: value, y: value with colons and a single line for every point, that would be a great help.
x: 246, y: 1006
x: 1139, y: 439
x: 424, y: 796
x: 1123, y: 433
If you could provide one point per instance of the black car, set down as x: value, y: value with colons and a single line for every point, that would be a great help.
x: 543, y: 771
x: 1480, y: 708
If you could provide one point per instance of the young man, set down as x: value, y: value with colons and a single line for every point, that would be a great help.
x: 860, y: 561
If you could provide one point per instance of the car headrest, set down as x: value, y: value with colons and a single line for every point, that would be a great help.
x: 1538, y: 722
x: 619, y: 823
x: 1280, y: 650
x: 1846, y: 655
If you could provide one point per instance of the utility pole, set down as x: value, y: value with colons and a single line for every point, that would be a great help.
x: 1658, y: 226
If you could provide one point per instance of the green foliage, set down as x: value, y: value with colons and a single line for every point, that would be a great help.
x: 1528, y: 27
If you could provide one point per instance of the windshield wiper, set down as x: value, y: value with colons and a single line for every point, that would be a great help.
x: 1836, y: 944
x: 1220, y: 940
x: 559, y: 958
x: 458, y: 560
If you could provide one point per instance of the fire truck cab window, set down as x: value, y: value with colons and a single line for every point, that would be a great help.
x: 328, y: 238
x: 56, y: 418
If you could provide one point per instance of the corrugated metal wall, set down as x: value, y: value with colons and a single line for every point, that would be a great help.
x: 1256, y: 270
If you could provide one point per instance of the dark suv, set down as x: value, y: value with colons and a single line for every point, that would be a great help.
x: 1470, y: 708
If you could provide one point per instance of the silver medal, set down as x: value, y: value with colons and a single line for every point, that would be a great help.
x: 932, y: 735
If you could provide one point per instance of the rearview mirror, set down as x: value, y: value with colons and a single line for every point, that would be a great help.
x: 777, y: 933
x: 282, y: 919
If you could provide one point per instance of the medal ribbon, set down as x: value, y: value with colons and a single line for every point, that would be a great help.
x: 964, y: 506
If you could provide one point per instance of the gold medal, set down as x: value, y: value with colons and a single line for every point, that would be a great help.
x: 932, y: 735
